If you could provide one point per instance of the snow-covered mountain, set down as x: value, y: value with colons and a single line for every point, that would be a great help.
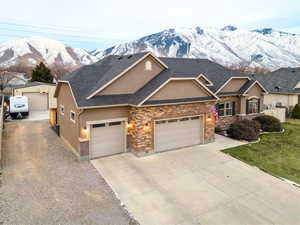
x: 30, y: 51
x: 229, y: 46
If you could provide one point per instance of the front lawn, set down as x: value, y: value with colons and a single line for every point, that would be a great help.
x: 277, y: 154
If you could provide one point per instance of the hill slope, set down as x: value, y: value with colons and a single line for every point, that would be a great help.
x: 30, y: 51
x: 229, y: 46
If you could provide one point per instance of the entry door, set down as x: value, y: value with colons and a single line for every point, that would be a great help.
x: 178, y: 133
x: 107, y: 139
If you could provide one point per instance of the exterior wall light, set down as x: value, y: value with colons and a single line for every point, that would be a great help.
x: 147, y: 127
x: 130, y: 126
x: 209, y: 119
x: 84, y: 132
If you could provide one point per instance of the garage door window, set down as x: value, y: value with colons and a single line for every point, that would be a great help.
x: 115, y: 123
x: 98, y: 125
x: 72, y: 116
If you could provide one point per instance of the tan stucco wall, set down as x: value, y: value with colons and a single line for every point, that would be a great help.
x: 134, y: 79
x: 177, y: 89
x: 255, y: 91
x: 68, y: 129
x: 103, y: 114
x: 286, y: 100
x: 234, y: 85
x: 50, y: 89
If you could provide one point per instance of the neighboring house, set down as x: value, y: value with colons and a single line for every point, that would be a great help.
x: 40, y: 95
x: 283, y: 86
x: 145, y: 104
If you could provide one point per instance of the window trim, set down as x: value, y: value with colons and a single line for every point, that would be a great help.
x: 72, y: 112
x: 258, y: 105
x: 225, y: 109
x: 148, y: 65
x: 62, y: 109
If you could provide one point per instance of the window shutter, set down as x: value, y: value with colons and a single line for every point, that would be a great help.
x: 233, y: 108
x: 247, y: 106
x: 258, y: 105
x: 217, y: 107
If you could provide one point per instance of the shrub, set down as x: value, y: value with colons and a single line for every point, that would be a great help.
x: 218, y: 129
x: 296, y: 112
x: 269, y: 123
x: 252, y: 123
x: 244, y: 130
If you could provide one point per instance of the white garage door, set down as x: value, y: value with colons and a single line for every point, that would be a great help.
x: 37, y: 101
x: 177, y: 133
x: 107, y: 139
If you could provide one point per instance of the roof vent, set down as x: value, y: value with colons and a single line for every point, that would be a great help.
x: 128, y: 57
x: 121, y: 57
x: 293, y: 71
x: 277, y: 88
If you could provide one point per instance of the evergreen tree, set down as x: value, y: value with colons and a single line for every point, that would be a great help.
x: 41, y: 73
x: 296, y: 112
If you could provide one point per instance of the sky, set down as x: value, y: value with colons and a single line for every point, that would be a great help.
x: 92, y: 24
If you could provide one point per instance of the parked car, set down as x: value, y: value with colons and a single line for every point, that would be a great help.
x: 18, y: 106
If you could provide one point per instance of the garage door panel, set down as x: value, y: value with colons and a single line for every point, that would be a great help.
x: 107, y: 140
x: 171, y: 135
x: 37, y: 101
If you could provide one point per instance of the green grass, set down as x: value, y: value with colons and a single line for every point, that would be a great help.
x: 277, y: 154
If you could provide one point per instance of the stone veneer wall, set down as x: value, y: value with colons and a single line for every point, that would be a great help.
x: 142, y: 135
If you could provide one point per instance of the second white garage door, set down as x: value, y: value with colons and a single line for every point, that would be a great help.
x: 37, y: 101
x: 177, y: 133
x: 107, y: 139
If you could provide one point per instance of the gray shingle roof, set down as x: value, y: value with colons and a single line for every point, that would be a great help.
x: 32, y: 84
x: 88, y: 79
x: 280, y: 81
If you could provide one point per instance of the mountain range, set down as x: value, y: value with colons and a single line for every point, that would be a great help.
x: 229, y: 46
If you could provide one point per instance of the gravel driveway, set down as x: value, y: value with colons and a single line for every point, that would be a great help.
x: 44, y: 184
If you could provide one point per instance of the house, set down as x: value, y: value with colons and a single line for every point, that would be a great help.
x: 145, y: 104
x: 40, y: 95
x: 283, y: 86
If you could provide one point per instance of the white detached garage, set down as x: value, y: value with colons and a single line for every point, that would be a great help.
x: 40, y: 95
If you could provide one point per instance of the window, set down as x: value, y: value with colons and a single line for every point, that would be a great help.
x: 72, y: 116
x: 253, y: 106
x: 62, y: 109
x: 115, y: 123
x: 225, y: 109
x: 148, y: 66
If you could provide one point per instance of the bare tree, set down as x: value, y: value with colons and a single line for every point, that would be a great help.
x: 5, y: 78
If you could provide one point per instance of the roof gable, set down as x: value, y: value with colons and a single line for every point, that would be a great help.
x: 178, y: 89
x: 233, y: 84
x: 135, y: 78
x: 119, y: 68
x: 255, y: 87
x: 179, y: 92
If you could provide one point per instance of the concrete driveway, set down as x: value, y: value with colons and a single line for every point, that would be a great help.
x: 199, y: 185
x: 38, y: 115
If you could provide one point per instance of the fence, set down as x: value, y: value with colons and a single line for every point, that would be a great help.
x: 1, y: 130
x: 279, y: 113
